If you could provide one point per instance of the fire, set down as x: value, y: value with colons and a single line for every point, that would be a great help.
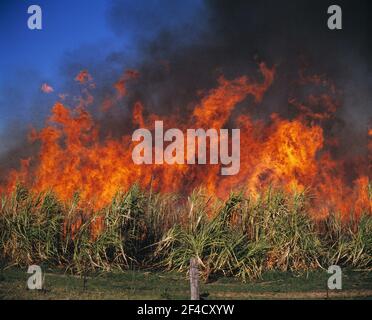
x: 120, y: 86
x: 289, y: 153
x: 83, y: 76
x: 46, y: 88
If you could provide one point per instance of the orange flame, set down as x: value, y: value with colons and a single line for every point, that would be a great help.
x: 286, y: 153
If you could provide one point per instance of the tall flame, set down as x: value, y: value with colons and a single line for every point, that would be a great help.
x: 288, y: 153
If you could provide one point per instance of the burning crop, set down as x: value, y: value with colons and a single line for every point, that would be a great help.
x: 232, y: 138
x: 293, y: 153
x: 81, y: 202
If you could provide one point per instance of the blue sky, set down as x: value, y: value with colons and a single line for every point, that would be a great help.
x: 66, y: 26
x: 30, y: 57
x: 73, y: 30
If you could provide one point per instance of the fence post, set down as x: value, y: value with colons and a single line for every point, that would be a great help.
x: 194, y: 279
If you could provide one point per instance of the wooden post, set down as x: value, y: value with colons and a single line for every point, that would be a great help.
x: 194, y: 279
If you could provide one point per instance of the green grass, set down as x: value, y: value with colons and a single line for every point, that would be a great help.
x: 155, y: 285
x: 241, y: 237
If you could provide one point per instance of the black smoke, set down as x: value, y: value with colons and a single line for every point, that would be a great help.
x: 231, y: 37
x: 182, y: 47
